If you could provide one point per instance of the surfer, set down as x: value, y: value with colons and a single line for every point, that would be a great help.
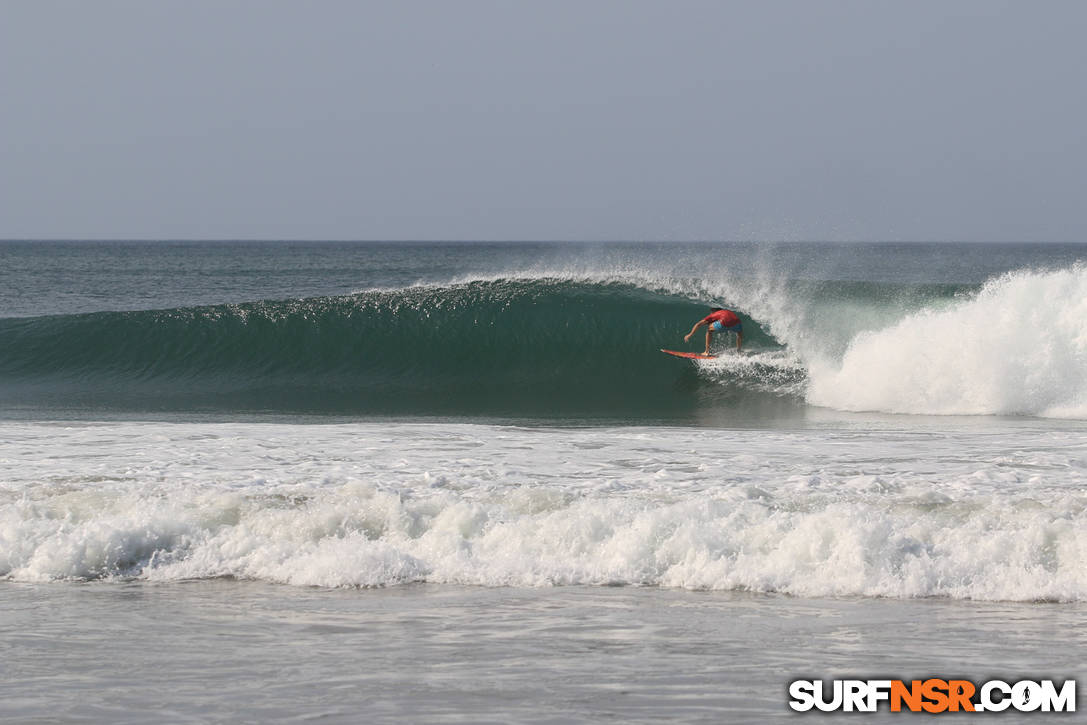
x: 719, y: 320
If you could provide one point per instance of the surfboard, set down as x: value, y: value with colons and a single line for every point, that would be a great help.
x: 690, y: 355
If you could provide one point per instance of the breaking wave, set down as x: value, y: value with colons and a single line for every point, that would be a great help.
x: 552, y: 346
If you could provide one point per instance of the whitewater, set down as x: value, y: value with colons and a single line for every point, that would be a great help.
x: 967, y: 514
x: 1017, y: 347
x: 883, y: 434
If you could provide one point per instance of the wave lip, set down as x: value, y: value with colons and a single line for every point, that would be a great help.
x: 1018, y: 347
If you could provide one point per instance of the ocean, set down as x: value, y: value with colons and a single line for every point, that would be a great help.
x: 459, y: 482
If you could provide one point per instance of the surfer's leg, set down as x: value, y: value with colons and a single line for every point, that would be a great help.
x: 709, y: 338
x: 739, y: 341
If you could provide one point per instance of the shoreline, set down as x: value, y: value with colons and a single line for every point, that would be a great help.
x: 250, y: 651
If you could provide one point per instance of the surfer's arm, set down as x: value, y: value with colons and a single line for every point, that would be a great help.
x: 687, y: 337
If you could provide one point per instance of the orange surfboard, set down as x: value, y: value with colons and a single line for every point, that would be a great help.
x: 690, y: 355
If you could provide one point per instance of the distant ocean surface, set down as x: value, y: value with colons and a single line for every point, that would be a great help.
x: 332, y: 432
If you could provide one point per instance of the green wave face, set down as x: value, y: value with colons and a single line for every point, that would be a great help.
x: 512, y: 348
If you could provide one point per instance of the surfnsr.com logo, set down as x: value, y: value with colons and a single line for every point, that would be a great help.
x: 932, y: 696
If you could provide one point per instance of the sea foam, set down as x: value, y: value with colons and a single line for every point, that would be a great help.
x: 1017, y: 347
x: 995, y: 514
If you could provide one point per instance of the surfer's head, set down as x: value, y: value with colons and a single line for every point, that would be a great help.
x: 716, y: 309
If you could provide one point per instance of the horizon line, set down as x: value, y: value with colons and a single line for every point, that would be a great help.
x: 349, y: 240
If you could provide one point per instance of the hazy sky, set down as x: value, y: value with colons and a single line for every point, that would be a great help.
x: 544, y: 120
